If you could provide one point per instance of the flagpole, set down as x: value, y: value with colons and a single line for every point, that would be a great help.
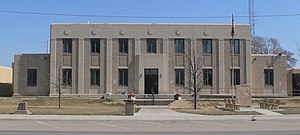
x: 232, y: 58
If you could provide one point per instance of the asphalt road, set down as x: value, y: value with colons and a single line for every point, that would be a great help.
x: 213, y: 127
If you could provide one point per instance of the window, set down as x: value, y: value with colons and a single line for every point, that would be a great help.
x: 95, y: 77
x: 151, y: 45
x: 67, y: 77
x: 236, y: 75
x: 123, y: 45
x: 31, y: 77
x: 236, y: 46
x: 269, y: 77
x: 123, y: 77
x: 67, y: 45
x: 207, y: 46
x: 179, y: 76
x: 95, y: 45
x: 179, y: 45
x: 207, y: 77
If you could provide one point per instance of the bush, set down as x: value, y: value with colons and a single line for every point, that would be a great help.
x: 6, y: 90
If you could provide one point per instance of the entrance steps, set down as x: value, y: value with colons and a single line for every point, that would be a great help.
x: 157, y: 102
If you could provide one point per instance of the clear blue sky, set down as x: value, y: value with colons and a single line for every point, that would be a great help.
x: 23, y: 33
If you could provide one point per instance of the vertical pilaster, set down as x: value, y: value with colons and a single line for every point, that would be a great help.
x: 53, y: 65
x: 81, y: 66
x: 248, y: 62
x: 108, y: 66
x: 137, y: 51
x: 221, y: 69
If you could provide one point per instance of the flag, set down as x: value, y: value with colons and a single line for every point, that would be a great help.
x: 232, y: 26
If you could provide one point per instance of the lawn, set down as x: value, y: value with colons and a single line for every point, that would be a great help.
x: 289, y: 106
x: 206, y: 107
x: 69, y: 106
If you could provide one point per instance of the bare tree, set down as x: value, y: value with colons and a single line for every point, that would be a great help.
x: 264, y: 45
x: 194, y: 72
x: 59, y: 83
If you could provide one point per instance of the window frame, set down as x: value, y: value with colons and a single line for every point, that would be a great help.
x: 94, y: 77
x: 151, y: 45
x: 67, y: 77
x: 207, y: 77
x: 67, y: 45
x: 205, y: 48
x: 179, y: 77
x: 236, y: 46
x: 123, y: 80
x: 123, y: 45
x: 237, y: 76
x: 95, y: 45
x: 31, y: 77
x: 179, y: 45
x: 269, y: 77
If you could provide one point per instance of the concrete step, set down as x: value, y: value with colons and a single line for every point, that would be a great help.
x: 149, y: 102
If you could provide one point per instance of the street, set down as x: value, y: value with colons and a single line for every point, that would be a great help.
x: 115, y: 127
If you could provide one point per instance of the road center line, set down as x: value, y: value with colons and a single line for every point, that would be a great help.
x: 109, y: 125
x: 46, y: 124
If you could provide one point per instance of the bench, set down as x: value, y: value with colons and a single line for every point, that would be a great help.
x: 269, y: 103
x: 231, y: 104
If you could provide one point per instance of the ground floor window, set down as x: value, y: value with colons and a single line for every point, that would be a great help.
x: 31, y: 77
x: 236, y: 76
x: 123, y: 77
x: 207, y: 77
x: 269, y: 77
x: 95, y: 77
x: 67, y: 77
x: 179, y: 77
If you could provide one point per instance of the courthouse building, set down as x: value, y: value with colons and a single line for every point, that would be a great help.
x: 93, y: 59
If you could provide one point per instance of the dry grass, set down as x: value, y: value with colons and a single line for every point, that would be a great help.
x: 205, y: 107
x: 70, y: 106
x: 290, y: 106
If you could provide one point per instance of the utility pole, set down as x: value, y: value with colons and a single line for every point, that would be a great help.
x: 251, y: 16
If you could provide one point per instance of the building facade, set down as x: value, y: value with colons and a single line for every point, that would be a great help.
x: 96, y: 59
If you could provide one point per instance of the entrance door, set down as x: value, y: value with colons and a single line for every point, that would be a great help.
x: 296, y: 84
x: 151, y: 81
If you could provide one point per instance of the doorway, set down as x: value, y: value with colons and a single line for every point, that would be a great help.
x: 151, y: 81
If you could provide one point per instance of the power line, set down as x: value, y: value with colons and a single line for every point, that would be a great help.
x: 144, y: 17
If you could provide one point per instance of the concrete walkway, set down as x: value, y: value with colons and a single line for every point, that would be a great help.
x: 259, y: 110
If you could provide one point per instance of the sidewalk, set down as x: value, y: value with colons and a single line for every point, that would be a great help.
x: 162, y: 113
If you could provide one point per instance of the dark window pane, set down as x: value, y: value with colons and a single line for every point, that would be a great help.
x: 31, y: 77
x: 123, y: 45
x: 95, y: 77
x: 207, y: 77
x: 207, y: 46
x: 67, y: 45
x: 67, y: 77
x: 236, y: 75
x: 123, y: 77
x: 269, y: 77
x: 236, y: 46
x: 151, y: 45
x: 179, y: 45
x: 179, y: 76
x: 95, y: 45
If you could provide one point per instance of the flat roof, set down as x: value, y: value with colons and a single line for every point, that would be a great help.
x: 88, y: 23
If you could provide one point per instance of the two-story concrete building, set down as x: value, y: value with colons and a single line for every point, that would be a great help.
x: 93, y: 59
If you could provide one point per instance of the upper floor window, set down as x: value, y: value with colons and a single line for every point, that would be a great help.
x: 67, y: 77
x: 95, y: 45
x: 179, y: 45
x: 151, y: 45
x: 269, y: 77
x: 123, y: 45
x: 236, y: 46
x: 207, y: 77
x: 236, y: 76
x: 207, y: 46
x: 179, y: 77
x: 67, y: 45
x: 123, y: 77
x: 31, y: 77
x: 95, y: 77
